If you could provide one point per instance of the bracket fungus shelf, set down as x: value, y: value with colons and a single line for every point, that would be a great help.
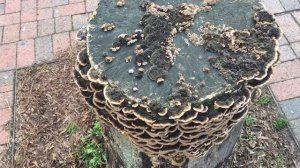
x: 172, y: 80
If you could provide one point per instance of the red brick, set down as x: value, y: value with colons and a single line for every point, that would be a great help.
x: 297, y: 16
x: 5, y: 116
x: 91, y: 5
x: 286, y: 53
x: 28, y: 5
x: 28, y: 30
x: 51, y: 3
x: 4, y: 136
x: 2, y: 8
x: 46, y: 13
x: 274, y: 6
x: 80, y: 20
x: 11, y: 33
x: 6, y: 88
x: 63, y: 24
x: 6, y: 81
x: 28, y: 16
x: 6, y: 100
x: 43, y: 49
x: 283, y: 41
x: 25, y: 53
x: 286, y: 70
x: 70, y: 9
x: 287, y: 89
x: 61, y: 42
x: 1, y: 32
x: 6, y: 78
x: 9, y: 19
x: 12, y: 6
x: 8, y: 56
x: 73, y: 40
x: 45, y: 27
x: 296, y: 48
x: 75, y: 1
x: 289, y: 27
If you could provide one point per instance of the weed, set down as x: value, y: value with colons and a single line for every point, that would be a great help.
x: 280, y: 123
x: 249, y: 120
x: 264, y: 100
x: 279, y: 161
x: 92, y: 153
x: 71, y: 129
x: 95, y: 131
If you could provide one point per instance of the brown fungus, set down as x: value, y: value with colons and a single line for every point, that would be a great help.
x: 179, y: 129
x: 107, y: 26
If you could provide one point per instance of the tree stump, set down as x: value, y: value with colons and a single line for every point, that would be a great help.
x: 172, y: 80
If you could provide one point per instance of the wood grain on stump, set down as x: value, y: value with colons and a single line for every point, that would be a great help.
x: 172, y: 80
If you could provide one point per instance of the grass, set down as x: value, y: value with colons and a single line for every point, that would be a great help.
x: 71, y: 129
x: 249, y: 120
x: 95, y: 131
x: 279, y: 161
x: 280, y: 123
x: 92, y: 153
x: 264, y: 100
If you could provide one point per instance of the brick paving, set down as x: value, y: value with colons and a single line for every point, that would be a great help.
x: 285, y: 82
x: 33, y: 31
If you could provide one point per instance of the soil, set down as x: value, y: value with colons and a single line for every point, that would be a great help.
x: 260, y: 144
x: 48, y: 101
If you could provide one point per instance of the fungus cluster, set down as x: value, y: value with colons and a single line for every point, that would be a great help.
x: 244, y: 55
x: 160, y: 25
x: 183, y: 128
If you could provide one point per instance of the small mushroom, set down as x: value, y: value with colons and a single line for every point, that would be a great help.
x: 120, y: 3
x: 107, y: 26
x: 108, y: 59
x: 128, y: 58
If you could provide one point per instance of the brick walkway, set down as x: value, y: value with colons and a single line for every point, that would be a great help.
x: 285, y: 83
x: 33, y: 31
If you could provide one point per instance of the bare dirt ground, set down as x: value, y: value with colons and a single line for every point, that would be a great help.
x: 51, y: 118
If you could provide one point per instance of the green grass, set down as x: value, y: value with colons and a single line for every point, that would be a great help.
x: 264, y: 100
x: 92, y: 153
x: 279, y: 161
x: 95, y: 131
x: 280, y: 123
x: 249, y: 120
x: 71, y: 129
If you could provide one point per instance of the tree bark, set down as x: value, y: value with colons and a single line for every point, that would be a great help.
x: 122, y: 153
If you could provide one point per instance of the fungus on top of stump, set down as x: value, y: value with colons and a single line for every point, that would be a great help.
x: 183, y: 100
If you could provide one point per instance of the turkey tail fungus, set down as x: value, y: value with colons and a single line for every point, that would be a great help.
x: 164, y: 103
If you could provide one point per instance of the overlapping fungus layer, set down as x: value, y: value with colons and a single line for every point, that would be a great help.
x: 160, y: 25
x: 244, y: 54
x: 185, y: 128
x: 159, y: 131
